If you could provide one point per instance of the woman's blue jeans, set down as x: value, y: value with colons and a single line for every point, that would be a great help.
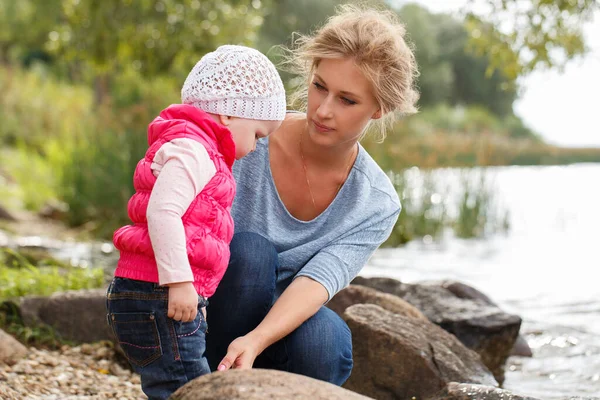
x: 320, y: 348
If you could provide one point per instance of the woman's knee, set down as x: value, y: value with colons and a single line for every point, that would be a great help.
x: 322, y: 348
x: 252, y: 257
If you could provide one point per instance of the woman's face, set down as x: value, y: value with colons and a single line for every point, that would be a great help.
x: 340, y: 102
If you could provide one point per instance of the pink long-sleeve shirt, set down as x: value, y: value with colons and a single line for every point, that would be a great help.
x: 182, y: 167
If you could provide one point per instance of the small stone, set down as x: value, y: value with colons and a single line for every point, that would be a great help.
x: 87, y: 349
x: 103, y: 353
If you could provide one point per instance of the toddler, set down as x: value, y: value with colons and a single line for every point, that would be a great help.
x: 176, y: 251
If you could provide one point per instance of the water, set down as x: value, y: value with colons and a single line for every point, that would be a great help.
x: 544, y: 269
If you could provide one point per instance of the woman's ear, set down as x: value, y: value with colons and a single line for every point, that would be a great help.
x: 377, y: 114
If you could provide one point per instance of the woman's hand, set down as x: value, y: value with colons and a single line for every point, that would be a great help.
x: 300, y: 301
x: 241, y: 353
x: 183, y: 301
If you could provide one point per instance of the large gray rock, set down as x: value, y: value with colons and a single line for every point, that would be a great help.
x: 398, y: 357
x: 468, y: 391
x: 356, y: 294
x: 259, y: 384
x: 480, y: 326
x: 11, y: 350
x: 78, y: 315
x: 27, y: 308
x: 464, y: 291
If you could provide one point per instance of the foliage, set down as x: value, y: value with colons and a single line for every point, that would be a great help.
x: 541, y: 33
x: 34, y: 106
x: 477, y: 214
x: 95, y: 41
x: 285, y: 17
x: 74, y: 124
x: 448, y: 72
x: 97, y: 170
x: 37, y: 182
x: 22, y: 31
x: 423, y: 213
x: 154, y: 36
x: 20, y: 277
x: 432, y: 203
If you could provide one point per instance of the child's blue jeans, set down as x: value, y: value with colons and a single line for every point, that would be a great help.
x: 166, y: 353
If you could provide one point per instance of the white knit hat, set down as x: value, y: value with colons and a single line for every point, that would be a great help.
x: 236, y: 81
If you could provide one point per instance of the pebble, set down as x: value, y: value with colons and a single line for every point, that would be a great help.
x: 71, y: 373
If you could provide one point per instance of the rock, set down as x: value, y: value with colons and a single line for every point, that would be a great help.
x: 397, y: 357
x: 259, y: 384
x: 5, y: 215
x: 468, y: 391
x: 11, y: 350
x: 78, y: 315
x: 27, y: 309
x: 464, y: 291
x: 521, y: 348
x: 54, y: 209
x: 356, y: 294
x: 480, y: 326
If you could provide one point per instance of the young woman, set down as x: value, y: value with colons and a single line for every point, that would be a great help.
x: 311, y: 205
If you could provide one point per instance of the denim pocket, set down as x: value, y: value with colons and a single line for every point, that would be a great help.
x: 138, y: 336
x: 183, y: 329
x: 190, y: 328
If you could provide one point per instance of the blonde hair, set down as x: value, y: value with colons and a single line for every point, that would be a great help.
x: 374, y: 38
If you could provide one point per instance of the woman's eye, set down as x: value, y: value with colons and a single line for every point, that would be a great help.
x: 348, y: 101
x: 318, y: 86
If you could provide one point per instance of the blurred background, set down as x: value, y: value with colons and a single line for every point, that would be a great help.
x: 498, y: 173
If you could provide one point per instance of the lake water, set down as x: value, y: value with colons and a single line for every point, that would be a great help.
x: 545, y: 269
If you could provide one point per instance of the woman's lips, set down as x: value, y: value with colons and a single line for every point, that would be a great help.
x: 321, y: 127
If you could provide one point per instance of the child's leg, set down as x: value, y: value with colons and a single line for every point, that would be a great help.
x: 166, y: 353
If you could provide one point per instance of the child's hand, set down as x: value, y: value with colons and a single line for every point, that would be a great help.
x: 183, y: 301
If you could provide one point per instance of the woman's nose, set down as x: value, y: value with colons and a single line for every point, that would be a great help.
x: 325, y: 109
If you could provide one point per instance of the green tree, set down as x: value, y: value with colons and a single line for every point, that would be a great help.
x: 473, y: 83
x: 435, y: 80
x: 449, y: 72
x: 22, y: 32
x: 154, y: 37
x: 535, y: 33
x: 285, y: 17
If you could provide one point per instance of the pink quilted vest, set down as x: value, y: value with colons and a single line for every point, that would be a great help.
x: 208, y: 223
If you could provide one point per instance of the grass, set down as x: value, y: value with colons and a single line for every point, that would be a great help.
x: 20, y: 277
x: 431, y: 206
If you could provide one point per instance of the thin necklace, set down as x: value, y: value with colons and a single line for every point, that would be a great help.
x: 346, y: 170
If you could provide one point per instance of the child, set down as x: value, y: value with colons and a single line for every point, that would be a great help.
x: 176, y: 252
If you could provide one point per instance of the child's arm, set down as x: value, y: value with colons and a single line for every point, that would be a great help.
x: 183, y: 168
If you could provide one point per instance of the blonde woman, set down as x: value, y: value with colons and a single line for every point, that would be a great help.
x: 312, y: 205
